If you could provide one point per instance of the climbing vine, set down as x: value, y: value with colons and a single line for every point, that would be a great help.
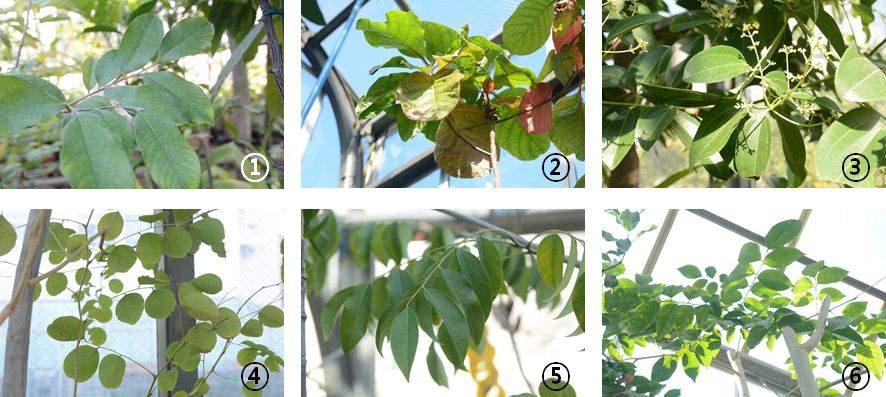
x: 448, y: 292
x: 755, y: 303
x: 726, y: 81
x: 465, y: 94
x: 91, y: 263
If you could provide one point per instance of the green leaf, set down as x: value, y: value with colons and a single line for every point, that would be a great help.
x: 529, y: 27
x: 380, y: 95
x: 92, y: 156
x: 252, y: 328
x: 661, y: 95
x: 429, y: 98
x: 140, y: 42
x: 618, y: 138
x: 183, y: 95
x: 664, y: 368
x: 208, y: 283
x: 775, y: 280
x: 781, y: 257
x: 714, y: 132
x: 331, y: 309
x: 455, y: 151
x: 80, y: 364
x: 750, y: 253
x: 176, y: 242
x: 160, y: 304
x: 396, y: 62
x: 628, y: 24
x: 794, y: 147
x: 246, y: 356
x: 568, y: 134
x: 783, y: 233
x: 453, y: 335
x: 478, y: 278
x: 355, y: 317
x: 111, y: 371
x: 491, y: 260
x: 715, y: 64
x: 578, y: 300
x: 440, y: 39
x: 470, y: 304
x: 149, y: 249
x: 860, y: 130
x: 402, y: 31
x: 858, y: 79
x: 66, y: 329
x: 129, y: 308
x: 120, y: 260
x: 651, y: 123
x: 227, y: 324
x: 519, y: 143
x: 107, y: 69
x: 187, y: 37
x: 404, y: 340
x: 855, y: 309
x: 551, y: 254
x: 689, y: 271
x: 830, y: 275
x: 872, y: 357
x: 170, y: 160
x: 688, y: 21
x: 753, y: 147
x: 26, y: 101
x: 166, y: 379
x: 97, y: 336
x: 834, y: 293
x: 435, y: 367
x: 271, y: 316
x: 543, y: 390
x: 7, y: 236
x: 89, y: 73
x: 56, y: 284
x: 199, y: 306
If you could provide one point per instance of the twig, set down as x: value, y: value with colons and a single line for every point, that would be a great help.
x: 276, y: 67
x: 18, y: 55
x: 493, y: 160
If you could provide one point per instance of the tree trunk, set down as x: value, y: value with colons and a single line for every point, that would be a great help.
x: 18, y: 335
x: 627, y: 174
x: 240, y: 117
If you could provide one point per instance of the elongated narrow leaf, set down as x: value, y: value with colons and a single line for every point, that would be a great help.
x: 477, y: 277
x: 652, y: 123
x: 26, y: 101
x: 171, y: 162
x: 529, y: 27
x: 783, y: 233
x: 753, y: 147
x: 578, y: 300
x: 453, y: 336
x: 435, y: 367
x: 491, y: 259
x: 93, y: 157
x: 628, y: 24
x: 187, y: 37
x: 688, y: 21
x: 794, y: 147
x: 355, y: 316
x: 715, y: 64
x: 662, y: 95
x: 404, y: 340
x: 465, y: 297
x: 714, y: 131
x: 858, y: 79
x: 618, y: 138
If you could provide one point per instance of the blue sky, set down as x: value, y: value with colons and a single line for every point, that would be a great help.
x: 320, y: 167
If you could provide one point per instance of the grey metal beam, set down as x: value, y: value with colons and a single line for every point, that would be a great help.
x: 18, y: 333
x: 759, y: 372
x: 741, y: 231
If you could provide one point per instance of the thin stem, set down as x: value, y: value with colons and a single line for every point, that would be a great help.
x: 18, y: 55
x: 493, y: 159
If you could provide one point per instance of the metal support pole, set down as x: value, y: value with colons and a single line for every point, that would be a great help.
x: 728, y: 225
x: 660, y: 241
x: 174, y: 327
x: 18, y: 335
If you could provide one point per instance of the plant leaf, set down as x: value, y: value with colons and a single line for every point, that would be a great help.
x: 529, y: 27
x: 860, y: 130
x: 715, y: 64
x: 453, y: 335
x: 404, y: 340
x: 140, y: 43
x: 93, y: 157
x: 714, y: 131
x: 187, y: 37
x: 455, y: 156
x: 858, y: 79
x: 355, y: 316
x: 551, y: 254
x: 402, y: 31
x: 171, y: 162
x: 111, y: 371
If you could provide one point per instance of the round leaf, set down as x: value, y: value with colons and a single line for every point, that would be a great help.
x: 80, y: 364
x: 176, y: 242
x: 111, y: 371
x: 271, y: 316
x: 149, y: 249
x: 129, y: 309
x: 160, y: 304
x: 228, y: 323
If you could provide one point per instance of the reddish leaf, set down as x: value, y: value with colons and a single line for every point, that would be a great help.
x: 537, y: 113
x: 569, y: 35
x: 579, y: 58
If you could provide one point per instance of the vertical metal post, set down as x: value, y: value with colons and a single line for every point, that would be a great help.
x: 660, y: 241
x: 18, y: 335
x: 174, y: 327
